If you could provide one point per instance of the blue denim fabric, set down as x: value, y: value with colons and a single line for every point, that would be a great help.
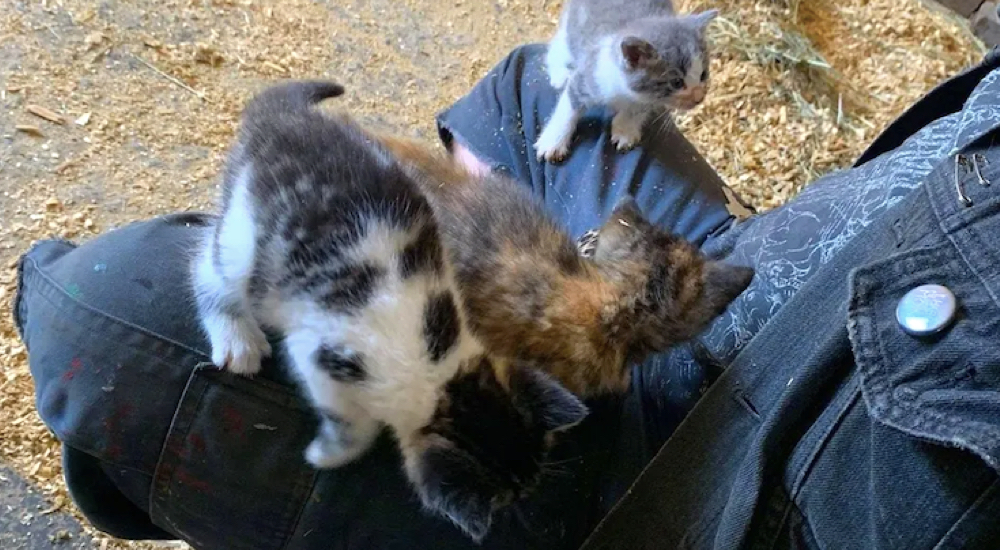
x: 815, y: 436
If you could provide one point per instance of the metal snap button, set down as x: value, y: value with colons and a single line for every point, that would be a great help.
x: 926, y: 310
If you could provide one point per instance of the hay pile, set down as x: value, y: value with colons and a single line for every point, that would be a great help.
x: 800, y: 87
x: 148, y: 94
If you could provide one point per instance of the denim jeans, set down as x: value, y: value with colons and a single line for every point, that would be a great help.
x: 804, y: 440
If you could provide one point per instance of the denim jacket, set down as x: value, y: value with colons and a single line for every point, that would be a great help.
x: 833, y: 428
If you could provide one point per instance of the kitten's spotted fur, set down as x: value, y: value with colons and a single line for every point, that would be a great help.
x: 636, y: 56
x: 582, y: 315
x: 325, y: 239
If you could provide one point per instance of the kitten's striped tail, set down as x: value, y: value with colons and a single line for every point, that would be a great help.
x: 290, y: 97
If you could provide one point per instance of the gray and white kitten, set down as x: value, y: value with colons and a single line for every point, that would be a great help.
x: 636, y: 56
x: 326, y: 239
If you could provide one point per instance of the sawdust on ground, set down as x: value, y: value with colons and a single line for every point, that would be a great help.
x: 113, y: 112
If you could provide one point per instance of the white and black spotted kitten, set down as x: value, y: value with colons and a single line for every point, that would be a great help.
x: 325, y: 239
x: 636, y: 56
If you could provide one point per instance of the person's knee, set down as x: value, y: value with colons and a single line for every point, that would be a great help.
x: 137, y: 273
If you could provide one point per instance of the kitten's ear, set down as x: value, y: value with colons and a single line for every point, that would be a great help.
x: 701, y: 20
x: 723, y: 283
x: 626, y: 218
x: 621, y: 229
x: 637, y: 52
x: 455, y: 485
x: 550, y: 404
x: 627, y: 210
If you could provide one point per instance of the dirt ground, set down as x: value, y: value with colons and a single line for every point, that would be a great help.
x: 115, y: 111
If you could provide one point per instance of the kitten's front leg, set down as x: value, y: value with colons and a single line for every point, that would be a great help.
x: 332, y: 376
x: 341, y: 440
x: 626, y: 126
x: 558, y: 59
x: 554, y: 141
x: 221, y: 277
x: 238, y: 344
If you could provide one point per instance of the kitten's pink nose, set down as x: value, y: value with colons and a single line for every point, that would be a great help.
x: 689, y: 98
x: 698, y: 93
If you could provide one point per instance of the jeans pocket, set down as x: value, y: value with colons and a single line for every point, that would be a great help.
x: 231, y: 473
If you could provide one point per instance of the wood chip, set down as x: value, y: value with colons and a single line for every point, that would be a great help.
x: 99, y: 55
x: 82, y: 120
x: 94, y: 40
x: 207, y: 55
x: 29, y: 129
x: 65, y: 165
x: 275, y: 67
x: 46, y: 113
x: 57, y: 505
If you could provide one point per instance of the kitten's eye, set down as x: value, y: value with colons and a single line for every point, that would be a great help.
x: 677, y: 83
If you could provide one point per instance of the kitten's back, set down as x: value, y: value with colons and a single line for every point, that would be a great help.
x: 302, y: 156
x: 589, y: 21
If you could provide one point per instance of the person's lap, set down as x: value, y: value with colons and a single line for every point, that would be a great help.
x: 131, y: 341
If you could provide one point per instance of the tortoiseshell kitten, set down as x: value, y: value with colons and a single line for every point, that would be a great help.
x: 325, y: 239
x: 531, y: 295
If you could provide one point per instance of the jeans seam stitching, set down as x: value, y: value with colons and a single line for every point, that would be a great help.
x: 824, y: 437
x: 975, y: 504
x: 93, y: 310
x: 302, y: 510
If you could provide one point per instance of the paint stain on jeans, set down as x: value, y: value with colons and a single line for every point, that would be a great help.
x: 75, y: 366
x: 74, y: 291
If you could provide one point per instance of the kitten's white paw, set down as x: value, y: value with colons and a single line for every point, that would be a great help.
x: 625, y: 142
x: 239, y: 348
x: 553, y: 154
x: 552, y: 146
x: 326, y: 453
x: 558, y: 75
x: 626, y: 131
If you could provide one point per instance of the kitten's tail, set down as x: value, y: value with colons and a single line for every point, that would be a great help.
x: 290, y: 97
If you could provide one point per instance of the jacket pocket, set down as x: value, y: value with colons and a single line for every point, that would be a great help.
x: 942, y: 388
x: 231, y: 473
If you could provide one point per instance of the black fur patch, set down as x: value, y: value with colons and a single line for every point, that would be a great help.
x: 341, y: 365
x: 349, y: 287
x: 441, y: 325
x: 423, y: 254
x: 497, y: 442
x: 482, y: 414
x: 461, y: 488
